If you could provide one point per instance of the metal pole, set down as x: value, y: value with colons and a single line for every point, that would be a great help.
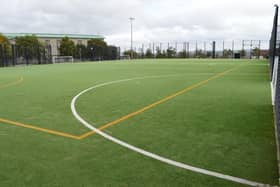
x: 188, y: 49
x: 274, y: 40
x: 243, y: 50
x: 13, y: 54
x: 259, y: 49
x: 223, y: 48
x: 205, y: 48
x: 185, y: 50
x: 1, y: 56
x: 80, y: 51
x: 251, y: 45
x: 214, y: 49
x: 195, y: 48
x: 154, y: 49
x: 131, y: 37
x: 232, y: 48
x: 143, y: 53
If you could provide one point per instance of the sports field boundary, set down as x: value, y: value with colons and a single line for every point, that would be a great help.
x: 33, y: 127
x: 84, y: 135
x: 131, y: 147
x: 150, y: 154
x: 87, y: 134
x: 18, y: 81
x: 114, y: 122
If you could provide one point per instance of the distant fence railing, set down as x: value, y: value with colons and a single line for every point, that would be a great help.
x: 13, y: 55
x: 200, y: 49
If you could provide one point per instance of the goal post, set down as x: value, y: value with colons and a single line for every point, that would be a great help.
x: 62, y: 59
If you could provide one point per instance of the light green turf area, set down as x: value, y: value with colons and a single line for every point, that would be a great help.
x: 225, y: 125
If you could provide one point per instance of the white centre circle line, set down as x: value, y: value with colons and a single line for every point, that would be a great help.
x: 147, y: 153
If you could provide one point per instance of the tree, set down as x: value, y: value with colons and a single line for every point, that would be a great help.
x: 171, y: 52
x: 67, y: 47
x: 97, y: 49
x: 227, y: 53
x: 80, y: 51
x: 28, y: 47
x: 200, y: 54
x: 5, y: 45
x: 256, y: 52
x: 148, y: 53
x: 160, y: 54
x: 128, y: 53
x: 242, y: 53
x: 182, y: 54
x: 5, y: 49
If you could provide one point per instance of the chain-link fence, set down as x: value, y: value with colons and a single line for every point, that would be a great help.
x: 19, y: 55
x: 12, y: 55
x: 201, y: 49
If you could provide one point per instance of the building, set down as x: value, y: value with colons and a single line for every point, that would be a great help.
x: 54, y: 40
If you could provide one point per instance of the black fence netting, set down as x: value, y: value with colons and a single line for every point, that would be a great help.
x: 13, y: 55
x: 273, y: 41
x: 275, y: 76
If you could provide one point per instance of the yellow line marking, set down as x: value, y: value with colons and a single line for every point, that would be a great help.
x: 12, y: 83
x: 49, y: 131
x: 187, y: 89
x: 39, y: 129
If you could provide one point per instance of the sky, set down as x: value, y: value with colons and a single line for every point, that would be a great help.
x: 155, y: 20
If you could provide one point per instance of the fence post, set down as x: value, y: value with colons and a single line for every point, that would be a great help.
x: 154, y: 50
x: 185, y: 50
x: 196, y: 49
x: 176, y: 49
x: 251, y: 45
x: 214, y: 49
x: 143, y: 52
x: 39, y: 55
x: 4, y: 60
x: 188, y: 49
x: 223, y: 48
x: 259, y: 52
x: 50, y: 53
x: 232, y: 49
x: 1, y: 56
x: 204, y: 46
x: 13, y: 55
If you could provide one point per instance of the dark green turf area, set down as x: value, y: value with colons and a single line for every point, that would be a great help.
x: 225, y: 125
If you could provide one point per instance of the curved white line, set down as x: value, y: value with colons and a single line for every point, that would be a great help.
x: 149, y: 154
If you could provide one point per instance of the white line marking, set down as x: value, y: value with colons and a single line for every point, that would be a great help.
x: 149, y: 154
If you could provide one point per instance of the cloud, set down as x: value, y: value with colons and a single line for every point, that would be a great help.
x: 158, y: 21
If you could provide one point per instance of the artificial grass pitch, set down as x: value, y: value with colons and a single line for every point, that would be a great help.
x: 225, y: 125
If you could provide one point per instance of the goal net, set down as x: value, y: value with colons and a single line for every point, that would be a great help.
x: 61, y: 59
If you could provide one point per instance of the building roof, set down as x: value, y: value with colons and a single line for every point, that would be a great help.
x: 48, y: 35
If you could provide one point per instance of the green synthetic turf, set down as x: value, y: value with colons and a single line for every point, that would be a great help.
x: 225, y: 125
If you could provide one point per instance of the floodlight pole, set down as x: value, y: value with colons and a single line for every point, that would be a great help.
x: 131, y: 37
